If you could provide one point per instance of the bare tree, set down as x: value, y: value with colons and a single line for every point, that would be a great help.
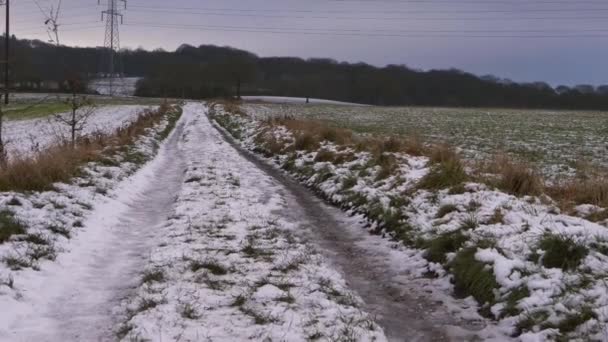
x: 82, y: 108
x: 51, y: 21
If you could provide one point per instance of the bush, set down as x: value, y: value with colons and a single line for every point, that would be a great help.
x: 562, y: 252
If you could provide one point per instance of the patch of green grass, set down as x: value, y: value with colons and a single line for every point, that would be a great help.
x: 211, y: 265
x: 349, y: 182
x: 61, y: 230
x: 438, y: 247
x: 446, y: 174
x: 513, y: 299
x: 572, y: 321
x: 156, y: 275
x: 37, y: 239
x: 562, y: 252
x: 473, y: 278
x: 31, y: 111
x: 188, y: 311
x: 9, y: 226
x: 446, y: 209
x: 469, y: 223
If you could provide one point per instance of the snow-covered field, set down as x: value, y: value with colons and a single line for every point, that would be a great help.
x: 557, y: 142
x: 121, y: 86
x: 229, y: 268
x: 66, y: 231
x: 296, y: 100
x: 24, y: 137
x: 537, y: 273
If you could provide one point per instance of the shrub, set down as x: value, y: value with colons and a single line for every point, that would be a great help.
x: 472, y: 277
x: 9, y: 226
x: 562, y: 252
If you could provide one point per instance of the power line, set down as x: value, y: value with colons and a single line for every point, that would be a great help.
x: 218, y: 13
x: 360, y: 34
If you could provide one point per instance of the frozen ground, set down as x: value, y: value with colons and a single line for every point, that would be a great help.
x: 555, y: 141
x: 295, y: 100
x: 122, y: 86
x: 504, y: 236
x: 24, y: 137
x: 208, y: 243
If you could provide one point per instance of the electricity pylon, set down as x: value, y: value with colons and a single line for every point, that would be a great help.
x: 112, y: 38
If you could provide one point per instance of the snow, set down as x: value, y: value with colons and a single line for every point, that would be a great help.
x: 24, y: 137
x: 280, y: 99
x: 125, y: 86
x: 87, y: 257
x: 203, y: 216
x: 271, y: 285
x: 515, y: 239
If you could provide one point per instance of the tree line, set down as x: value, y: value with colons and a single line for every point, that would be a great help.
x: 210, y: 71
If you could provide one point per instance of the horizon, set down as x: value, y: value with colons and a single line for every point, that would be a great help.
x: 557, y: 42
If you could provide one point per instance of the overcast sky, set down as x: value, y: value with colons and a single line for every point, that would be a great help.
x: 557, y: 41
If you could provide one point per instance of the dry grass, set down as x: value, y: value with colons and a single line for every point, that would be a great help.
x: 586, y: 191
x: 62, y: 162
x: 516, y: 178
x: 448, y: 169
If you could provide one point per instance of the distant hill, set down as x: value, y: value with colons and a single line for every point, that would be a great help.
x: 210, y: 71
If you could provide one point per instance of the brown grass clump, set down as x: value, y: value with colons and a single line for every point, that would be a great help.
x: 587, y: 191
x: 325, y: 156
x: 447, y: 169
x: 62, y: 162
x: 517, y: 178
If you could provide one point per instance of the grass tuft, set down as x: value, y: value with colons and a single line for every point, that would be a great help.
x: 9, y: 226
x: 562, y: 252
x: 473, y: 278
x: 438, y: 247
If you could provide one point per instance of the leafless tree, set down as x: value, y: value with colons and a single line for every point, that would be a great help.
x: 81, y: 109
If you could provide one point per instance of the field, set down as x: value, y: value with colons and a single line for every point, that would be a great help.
x: 555, y: 141
x: 34, y: 105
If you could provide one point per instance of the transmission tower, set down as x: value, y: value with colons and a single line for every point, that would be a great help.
x: 112, y: 39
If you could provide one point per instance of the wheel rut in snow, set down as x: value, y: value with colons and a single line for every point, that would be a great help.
x: 104, y: 264
x: 404, y: 315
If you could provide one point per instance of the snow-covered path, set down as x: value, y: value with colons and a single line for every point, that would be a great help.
x: 72, y: 299
x: 216, y: 225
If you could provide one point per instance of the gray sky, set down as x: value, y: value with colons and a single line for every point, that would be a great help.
x: 558, y: 41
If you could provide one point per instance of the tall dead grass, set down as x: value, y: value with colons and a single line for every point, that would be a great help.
x: 62, y: 162
x: 447, y: 170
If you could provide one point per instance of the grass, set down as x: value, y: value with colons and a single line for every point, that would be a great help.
x: 211, y: 265
x: 472, y: 277
x: 9, y: 226
x: 62, y: 162
x: 31, y: 111
x: 151, y: 276
x: 446, y: 209
x: 562, y: 252
x: 438, y: 247
x: 570, y: 136
x: 445, y: 173
x: 516, y: 178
